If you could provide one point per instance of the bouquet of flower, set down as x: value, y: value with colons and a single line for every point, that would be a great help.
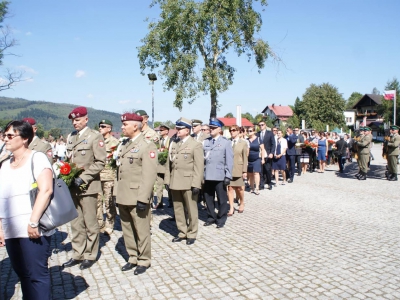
x: 331, y: 142
x: 111, y: 162
x: 308, y: 144
x: 162, y: 155
x: 68, y: 172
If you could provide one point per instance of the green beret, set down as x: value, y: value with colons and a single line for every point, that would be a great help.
x: 394, y: 127
x: 105, y: 121
x: 141, y: 113
x: 367, y: 128
x: 196, y: 122
x: 361, y: 129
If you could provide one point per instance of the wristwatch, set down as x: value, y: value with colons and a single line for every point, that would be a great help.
x: 33, y: 225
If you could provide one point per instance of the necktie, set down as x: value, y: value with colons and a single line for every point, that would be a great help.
x: 234, y: 144
x: 262, y: 136
x: 213, y: 141
x: 162, y: 143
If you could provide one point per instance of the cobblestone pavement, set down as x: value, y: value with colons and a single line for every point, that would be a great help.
x: 325, y: 236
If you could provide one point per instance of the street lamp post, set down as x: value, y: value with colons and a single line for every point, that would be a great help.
x: 152, y: 78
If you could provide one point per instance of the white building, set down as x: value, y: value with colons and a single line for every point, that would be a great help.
x: 350, y: 117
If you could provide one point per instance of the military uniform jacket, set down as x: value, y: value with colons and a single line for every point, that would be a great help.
x: 393, y: 145
x: 137, y: 171
x: 151, y: 135
x: 40, y: 146
x: 108, y: 173
x: 364, y: 144
x: 240, y: 159
x: 185, y: 165
x: 88, y: 152
x: 218, y: 159
x: 163, y: 144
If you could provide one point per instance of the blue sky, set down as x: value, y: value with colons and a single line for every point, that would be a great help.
x: 84, y: 53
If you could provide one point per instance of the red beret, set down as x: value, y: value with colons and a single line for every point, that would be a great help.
x: 30, y: 121
x: 131, y: 117
x: 78, y: 112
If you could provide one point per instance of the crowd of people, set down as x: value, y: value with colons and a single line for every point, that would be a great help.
x: 198, y: 164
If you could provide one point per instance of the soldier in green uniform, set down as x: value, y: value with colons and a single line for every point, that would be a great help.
x: 147, y: 132
x: 107, y: 177
x: 37, y: 144
x: 85, y: 148
x: 393, y: 152
x: 136, y: 174
x: 363, y: 152
x: 357, y: 149
x: 163, y: 146
x: 184, y: 173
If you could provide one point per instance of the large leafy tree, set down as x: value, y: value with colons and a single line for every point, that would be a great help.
x: 386, y: 108
x: 353, y: 99
x: 189, y: 42
x: 322, y: 105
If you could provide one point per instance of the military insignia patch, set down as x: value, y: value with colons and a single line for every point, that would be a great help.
x: 101, y: 143
x: 152, y: 154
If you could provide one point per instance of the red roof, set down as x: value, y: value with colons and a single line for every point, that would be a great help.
x: 280, y: 110
x: 232, y: 121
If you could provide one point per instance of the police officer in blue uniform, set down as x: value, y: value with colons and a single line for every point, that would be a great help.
x: 218, y: 163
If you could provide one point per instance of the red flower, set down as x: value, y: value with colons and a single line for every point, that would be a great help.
x: 65, y: 169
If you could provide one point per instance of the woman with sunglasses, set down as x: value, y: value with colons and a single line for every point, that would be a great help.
x: 28, y: 247
x: 256, y: 159
x: 239, y: 172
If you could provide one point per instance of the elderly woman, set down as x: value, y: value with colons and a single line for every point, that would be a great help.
x: 239, y: 172
x: 27, y: 245
x: 256, y: 159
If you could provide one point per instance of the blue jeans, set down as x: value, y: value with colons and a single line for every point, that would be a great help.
x: 29, y: 260
x: 341, y: 161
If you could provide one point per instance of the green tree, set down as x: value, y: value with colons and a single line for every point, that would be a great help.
x: 157, y: 123
x: 386, y: 108
x: 297, y: 106
x: 258, y: 118
x: 353, y: 99
x: 40, y: 130
x: 249, y: 117
x: 229, y: 115
x: 190, y: 40
x: 55, y: 132
x: 375, y: 91
x: 323, y: 104
x: 293, y: 121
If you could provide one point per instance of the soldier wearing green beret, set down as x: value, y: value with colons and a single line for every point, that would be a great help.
x: 393, y: 153
x: 357, y: 149
x: 147, y: 132
x: 107, y: 177
x: 363, y: 152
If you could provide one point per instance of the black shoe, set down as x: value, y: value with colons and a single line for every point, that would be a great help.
x: 178, y: 239
x: 140, y: 270
x: 86, y: 264
x: 72, y: 262
x: 261, y: 187
x: 171, y: 218
x: 299, y: 174
x: 220, y: 226
x: 290, y: 180
x: 190, y: 241
x: 357, y: 175
x: 270, y: 187
x: 208, y: 223
x: 128, y: 267
x: 362, y: 177
x: 393, y: 178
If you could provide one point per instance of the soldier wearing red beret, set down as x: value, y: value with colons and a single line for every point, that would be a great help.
x: 136, y: 174
x: 37, y: 144
x: 85, y: 148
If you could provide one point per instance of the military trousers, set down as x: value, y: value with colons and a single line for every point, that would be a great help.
x: 105, y: 200
x: 363, y: 162
x: 392, y: 164
x: 185, y: 201
x: 160, y: 189
x: 211, y: 188
x: 136, y: 231
x: 85, y: 229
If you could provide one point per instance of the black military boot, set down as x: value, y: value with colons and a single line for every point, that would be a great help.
x: 358, y: 175
x: 393, y: 177
x: 363, y: 176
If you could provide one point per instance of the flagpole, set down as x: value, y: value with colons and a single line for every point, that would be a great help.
x: 394, y: 108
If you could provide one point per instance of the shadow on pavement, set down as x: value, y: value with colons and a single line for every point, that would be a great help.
x: 120, y: 248
x: 375, y: 172
x: 65, y: 285
x: 8, y: 279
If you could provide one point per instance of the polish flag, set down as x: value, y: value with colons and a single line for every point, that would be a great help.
x: 389, y: 95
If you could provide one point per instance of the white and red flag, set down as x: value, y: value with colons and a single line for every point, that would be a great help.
x: 389, y: 95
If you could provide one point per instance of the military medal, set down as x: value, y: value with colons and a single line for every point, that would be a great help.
x: 131, y: 160
x: 185, y: 156
x: 83, y: 152
x: 132, y: 151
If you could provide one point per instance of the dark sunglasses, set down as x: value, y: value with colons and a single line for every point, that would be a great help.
x: 261, y: 124
x: 232, y: 130
x: 10, y: 136
x: 274, y: 130
x: 250, y: 131
x: 205, y: 129
x: 103, y: 126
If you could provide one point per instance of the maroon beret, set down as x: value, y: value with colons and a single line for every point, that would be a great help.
x: 78, y: 112
x: 131, y: 117
x: 30, y: 121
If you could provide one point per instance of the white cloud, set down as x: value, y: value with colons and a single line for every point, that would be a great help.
x: 27, y: 69
x: 80, y: 73
x: 89, y: 96
x: 28, y: 33
x: 124, y: 101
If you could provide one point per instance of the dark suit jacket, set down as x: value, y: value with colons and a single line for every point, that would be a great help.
x: 269, y: 141
x: 291, y: 142
x: 341, y: 146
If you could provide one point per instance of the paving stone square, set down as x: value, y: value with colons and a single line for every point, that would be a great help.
x: 325, y: 236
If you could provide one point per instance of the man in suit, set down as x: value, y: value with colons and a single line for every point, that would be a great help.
x: 363, y: 146
x: 393, y: 153
x: 86, y: 149
x: 313, y: 162
x: 268, y: 139
x: 291, y: 152
x: 37, y: 144
x: 137, y: 172
x: 300, y: 140
x: 164, y: 143
x: 184, y: 173
x: 218, y: 155
x: 341, y: 146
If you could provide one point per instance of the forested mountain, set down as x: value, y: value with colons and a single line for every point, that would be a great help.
x: 51, y: 115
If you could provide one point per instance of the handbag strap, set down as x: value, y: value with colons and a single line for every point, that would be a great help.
x: 32, y: 166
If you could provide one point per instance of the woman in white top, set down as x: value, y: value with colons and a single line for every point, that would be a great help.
x: 279, y: 160
x: 27, y: 246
